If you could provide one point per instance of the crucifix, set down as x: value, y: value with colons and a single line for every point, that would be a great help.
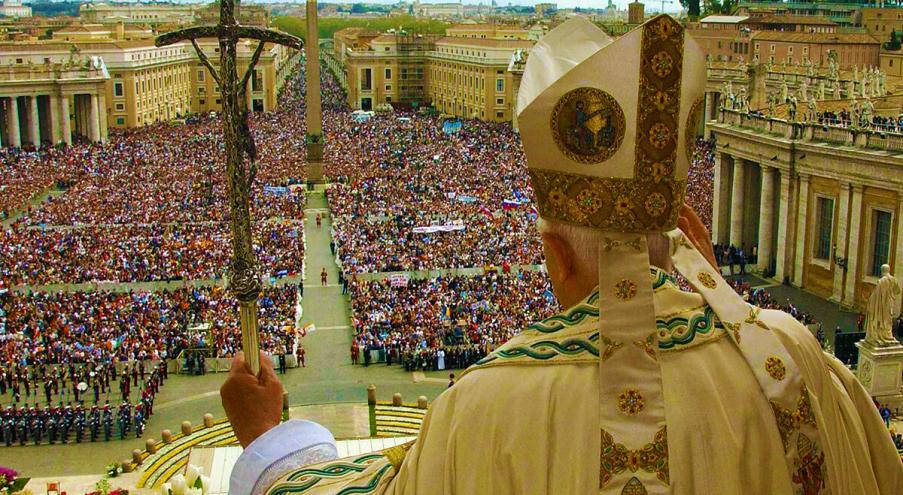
x: 241, y: 154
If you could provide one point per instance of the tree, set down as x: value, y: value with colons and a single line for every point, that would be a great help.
x: 894, y: 43
x: 358, y: 8
x: 692, y: 7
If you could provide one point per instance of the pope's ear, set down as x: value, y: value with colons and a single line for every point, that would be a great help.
x: 559, y: 256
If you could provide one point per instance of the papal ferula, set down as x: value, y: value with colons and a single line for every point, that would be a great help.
x: 639, y: 387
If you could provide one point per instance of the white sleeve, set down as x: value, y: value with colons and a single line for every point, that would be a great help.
x: 288, y: 446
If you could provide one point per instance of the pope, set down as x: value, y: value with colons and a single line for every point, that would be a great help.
x: 639, y: 387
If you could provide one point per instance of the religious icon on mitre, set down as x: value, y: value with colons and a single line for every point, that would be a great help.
x: 609, y: 125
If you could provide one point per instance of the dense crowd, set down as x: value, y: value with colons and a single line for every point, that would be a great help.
x: 78, y: 327
x: 129, y: 253
x: 150, y: 204
x: 445, y: 322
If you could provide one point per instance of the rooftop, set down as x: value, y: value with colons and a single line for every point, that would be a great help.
x: 809, y: 20
x: 724, y: 19
x: 822, y: 38
x: 486, y: 42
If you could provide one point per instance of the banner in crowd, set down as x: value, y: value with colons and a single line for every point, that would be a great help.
x: 451, y: 126
x: 398, y: 279
x: 462, y: 198
x: 276, y: 190
x: 448, y: 227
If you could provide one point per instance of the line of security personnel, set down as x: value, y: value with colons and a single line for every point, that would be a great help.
x: 74, y: 423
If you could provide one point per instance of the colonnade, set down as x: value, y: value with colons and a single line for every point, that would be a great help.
x: 778, y: 222
x: 51, y: 118
x: 769, y: 191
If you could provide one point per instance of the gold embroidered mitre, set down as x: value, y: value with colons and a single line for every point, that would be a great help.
x: 608, y: 125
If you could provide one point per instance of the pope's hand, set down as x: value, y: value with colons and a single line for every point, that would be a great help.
x: 252, y: 403
x: 696, y: 232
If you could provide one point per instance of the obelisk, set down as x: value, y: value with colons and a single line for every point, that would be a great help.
x: 312, y: 103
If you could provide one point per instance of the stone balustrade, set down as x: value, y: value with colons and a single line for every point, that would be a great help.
x: 866, y: 138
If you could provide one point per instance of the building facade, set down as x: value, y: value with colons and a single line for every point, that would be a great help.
x: 51, y: 99
x: 135, y: 13
x: 880, y: 22
x: 460, y: 76
x: 488, y: 31
x: 14, y: 8
x: 822, y: 204
x: 144, y: 84
x: 852, y: 49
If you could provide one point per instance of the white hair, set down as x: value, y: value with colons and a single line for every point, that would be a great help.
x: 585, y: 243
x: 583, y: 240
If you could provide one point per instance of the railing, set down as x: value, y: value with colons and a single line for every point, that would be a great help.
x: 845, y: 136
x: 48, y: 72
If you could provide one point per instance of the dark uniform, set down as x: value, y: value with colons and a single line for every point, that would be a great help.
x: 95, y: 423
x: 107, y: 423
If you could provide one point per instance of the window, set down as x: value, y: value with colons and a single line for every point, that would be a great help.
x: 120, y: 121
x: 388, y: 73
x: 120, y: 107
x: 388, y: 99
x: 500, y: 115
x: 366, y: 79
x: 219, y: 101
x: 499, y: 85
x: 201, y: 75
x: 256, y: 81
x: 499, y: 101
x: 824, y: 226
x: 388, y: 87
x: 880, y: 240
x: 772, y: 48
x: 117, y: 89
x: 203, y: 101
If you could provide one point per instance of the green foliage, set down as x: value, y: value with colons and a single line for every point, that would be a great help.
x: 718, y: 7
x: 894, y: 43
x: 329, y: 25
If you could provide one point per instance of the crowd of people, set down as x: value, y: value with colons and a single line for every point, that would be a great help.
x: 150, y: 204
x: 72, y: 420
x: 845, y: 117
x: 103, y: 326
x: 760, y: 297
x: 444, y: 322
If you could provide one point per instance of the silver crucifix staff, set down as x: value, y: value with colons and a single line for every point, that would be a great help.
x: 243, y: 280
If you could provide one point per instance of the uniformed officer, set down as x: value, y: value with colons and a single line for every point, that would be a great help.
x: 79, y: 422
x: 107, y: 423
x: 95, y: 423
x: 139, y: 421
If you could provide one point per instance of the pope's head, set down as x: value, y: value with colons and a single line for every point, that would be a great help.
x: 572, y: 253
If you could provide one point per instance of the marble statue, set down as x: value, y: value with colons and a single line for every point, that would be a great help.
x: 804, y: 90
x: 784, y: 91
x: 851, y: 89
x: 865, y: 86
x: 883, y: 308
x: 772, y: 102
x: 855, y: 114
x: 856, y: 73
x: 868, y: 110
x: 821, y: 89
x: 791, y: 111
x: 812, y: 109
x: 835, y: 88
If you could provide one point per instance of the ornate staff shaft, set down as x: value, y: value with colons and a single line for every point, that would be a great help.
x: 244, y: 282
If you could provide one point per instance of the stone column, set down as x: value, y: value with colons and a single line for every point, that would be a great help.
x: 783, y: 222
x: 94, y: 120
x: 53, y: 109
x: 766, y: 218
x: 799, y: 257
x: 841, y: 241
x: 709, y: 111
x: 65, y: 124
x: 849, y: 293
x: 737, y: 191
x: 12, y: 122
x: 717, y: 204
x: 898, y: 256
x: 34, y: 122
x: 102, y: 117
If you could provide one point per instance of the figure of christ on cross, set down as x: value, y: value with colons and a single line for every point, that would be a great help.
x: 241, y: 153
